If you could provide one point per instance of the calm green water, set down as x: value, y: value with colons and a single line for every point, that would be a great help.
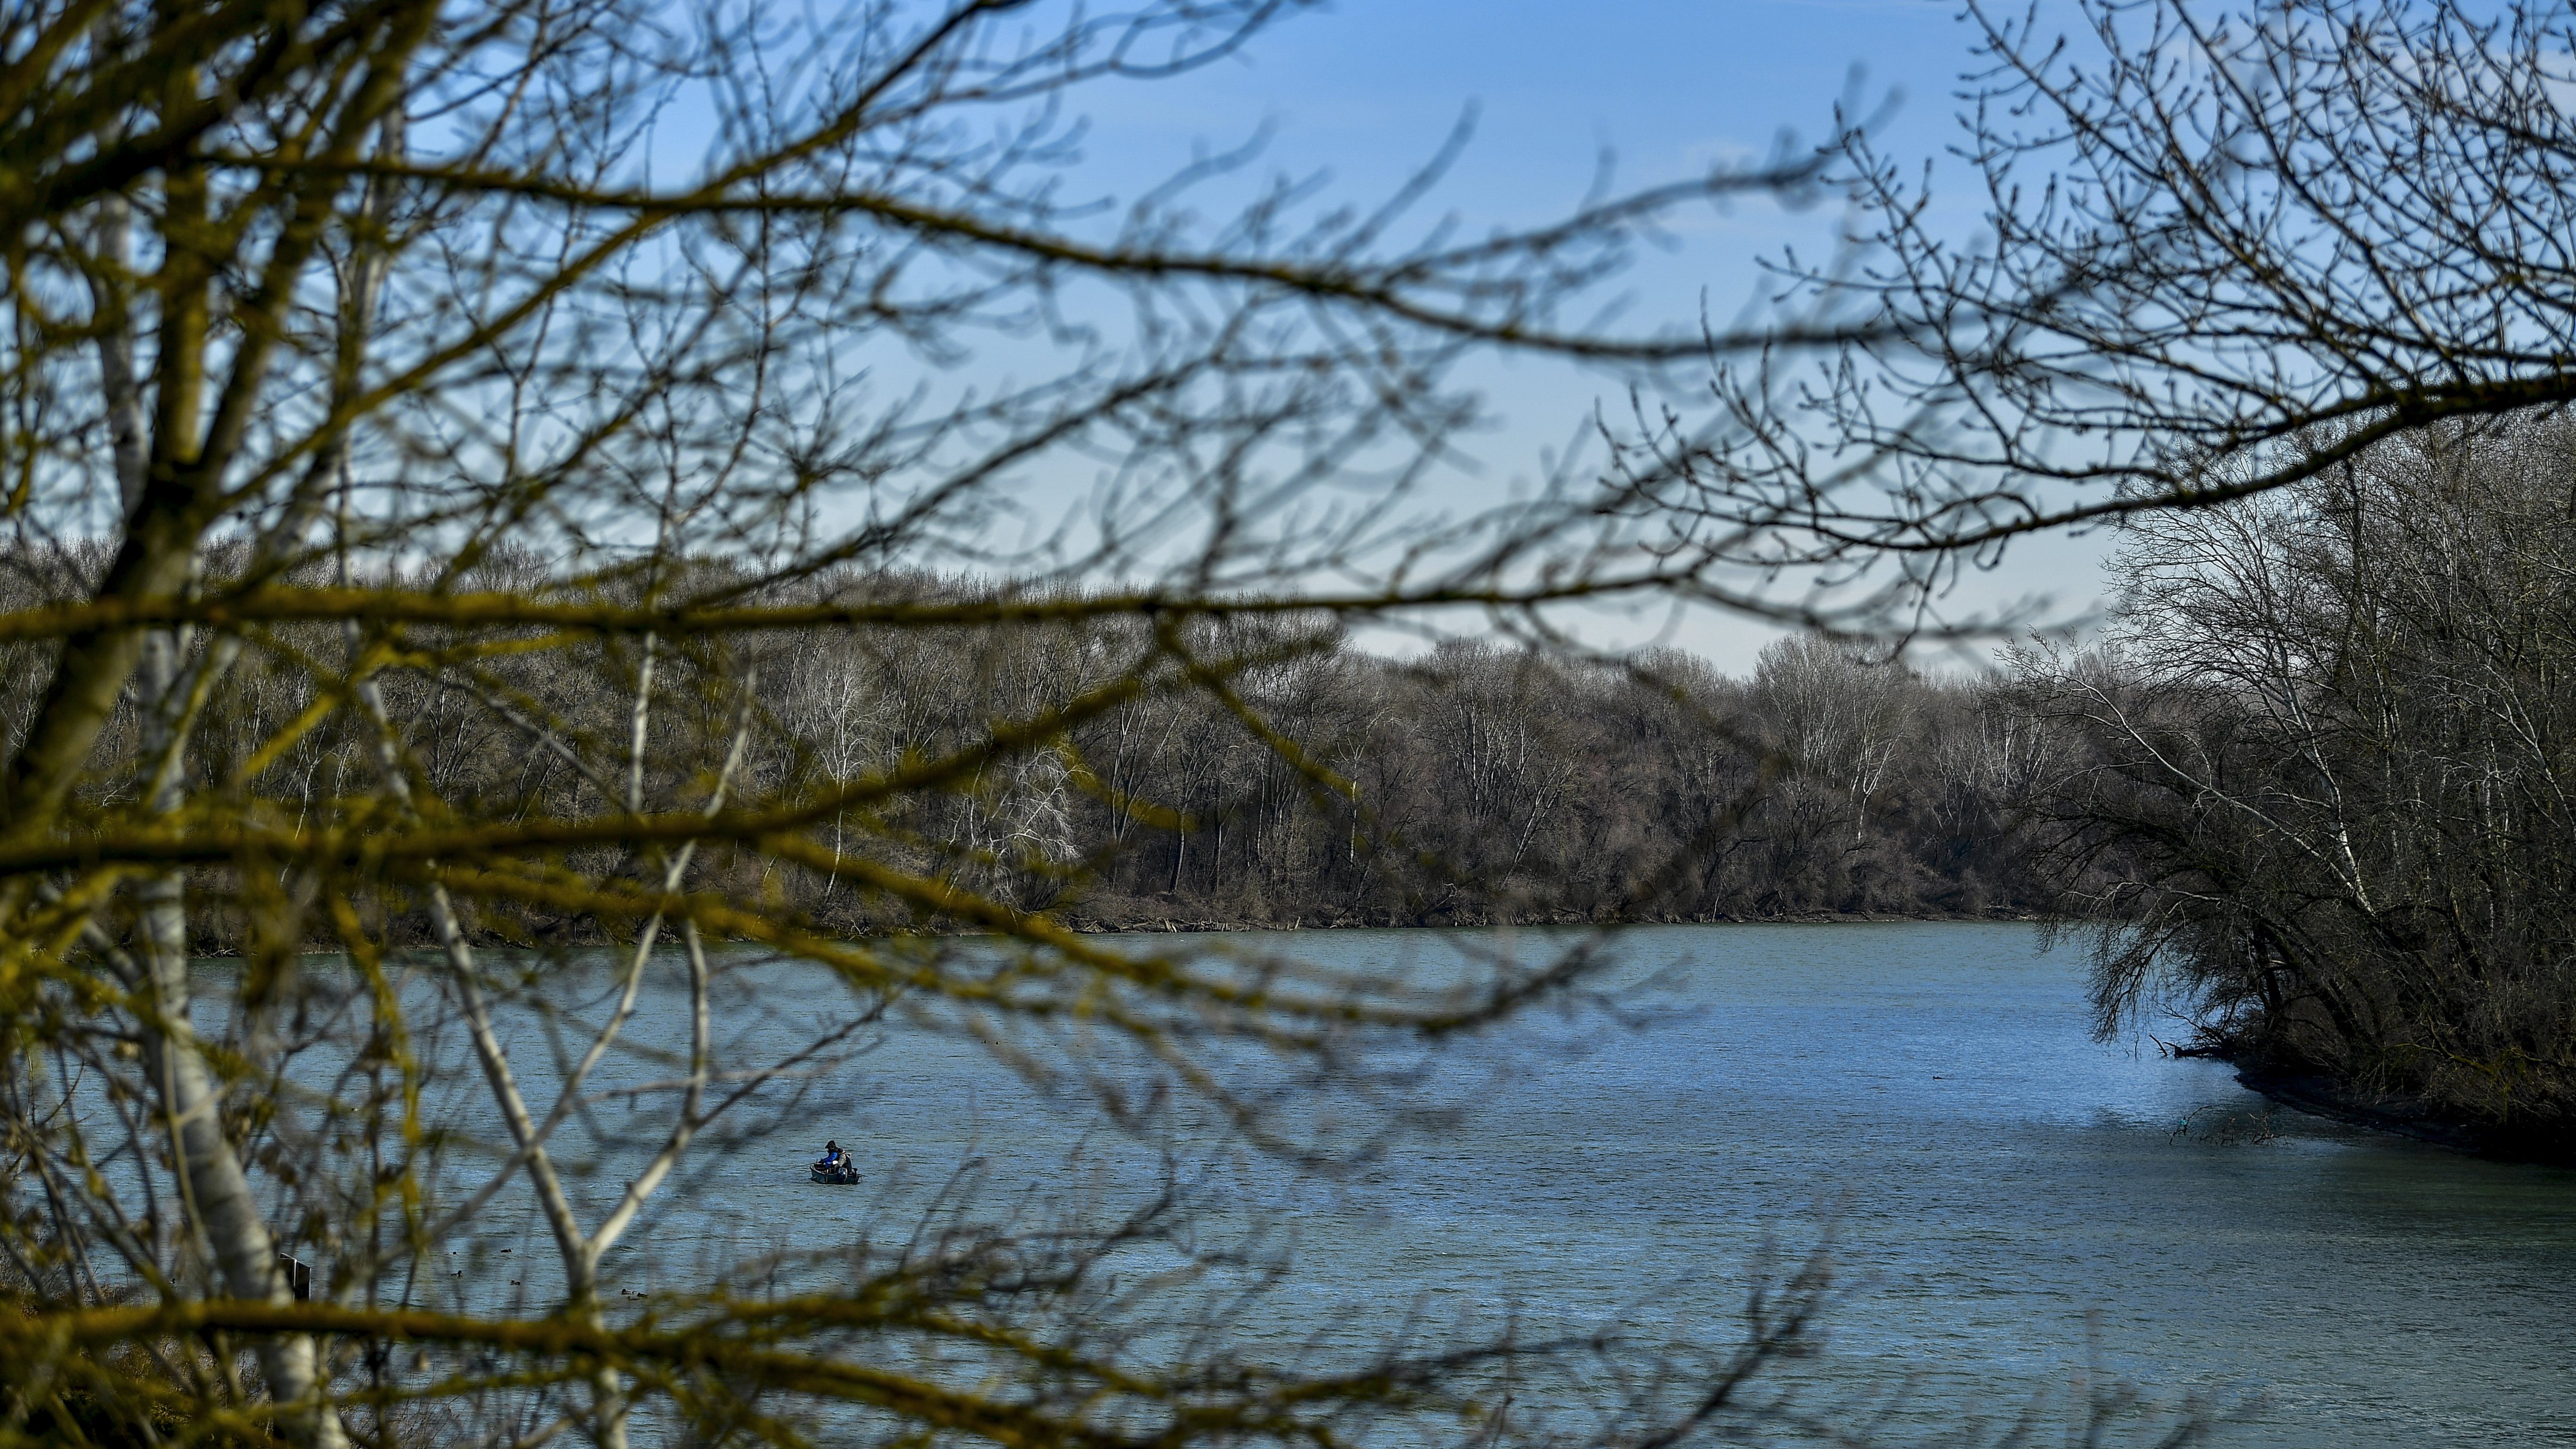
x: 1995, y: 1182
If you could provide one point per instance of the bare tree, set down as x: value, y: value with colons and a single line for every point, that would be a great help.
x: 427, y: 478
x: 2223, y: 248
x: 2316, y: 788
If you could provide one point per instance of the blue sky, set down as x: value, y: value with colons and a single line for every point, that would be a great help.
x: 1370, y: 86
x: 1364, y: 90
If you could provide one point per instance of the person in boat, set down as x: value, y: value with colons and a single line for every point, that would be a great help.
x: 833, y: 1159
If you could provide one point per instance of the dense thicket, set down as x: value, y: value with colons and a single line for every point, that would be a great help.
x: 2318, y: 786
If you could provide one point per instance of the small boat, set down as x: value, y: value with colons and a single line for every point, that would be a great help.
x: 842, y: 1176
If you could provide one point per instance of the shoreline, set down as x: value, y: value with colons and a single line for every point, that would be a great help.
x: 2315, y: 1095
x: 1155, y: 925
x: 2401, y: 1116
x: 546, y: 934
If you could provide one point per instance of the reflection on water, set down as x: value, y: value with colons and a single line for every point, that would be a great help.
x: 1995, y: 1180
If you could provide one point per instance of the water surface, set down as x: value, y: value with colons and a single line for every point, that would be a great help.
x: 2011, y: 1197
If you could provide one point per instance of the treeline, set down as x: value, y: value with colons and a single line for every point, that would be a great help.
x: 2319, y: 788
x: 1250, y: 774
x: 1485, y: 784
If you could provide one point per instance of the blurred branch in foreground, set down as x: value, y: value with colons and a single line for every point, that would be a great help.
x: 423, y: 480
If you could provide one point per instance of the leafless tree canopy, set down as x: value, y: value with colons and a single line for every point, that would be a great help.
x: 563, y: 505
x: 2205, y: 231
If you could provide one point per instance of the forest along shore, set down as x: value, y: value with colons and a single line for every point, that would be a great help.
x: 2333, y: 837
x: 1487, y: 785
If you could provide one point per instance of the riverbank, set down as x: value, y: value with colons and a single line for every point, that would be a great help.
x: 2407, y: 1116
x: 1142, y: 916
x: 218, y: 938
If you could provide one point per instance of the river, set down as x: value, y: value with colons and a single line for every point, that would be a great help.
x: 2008, y: 1198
